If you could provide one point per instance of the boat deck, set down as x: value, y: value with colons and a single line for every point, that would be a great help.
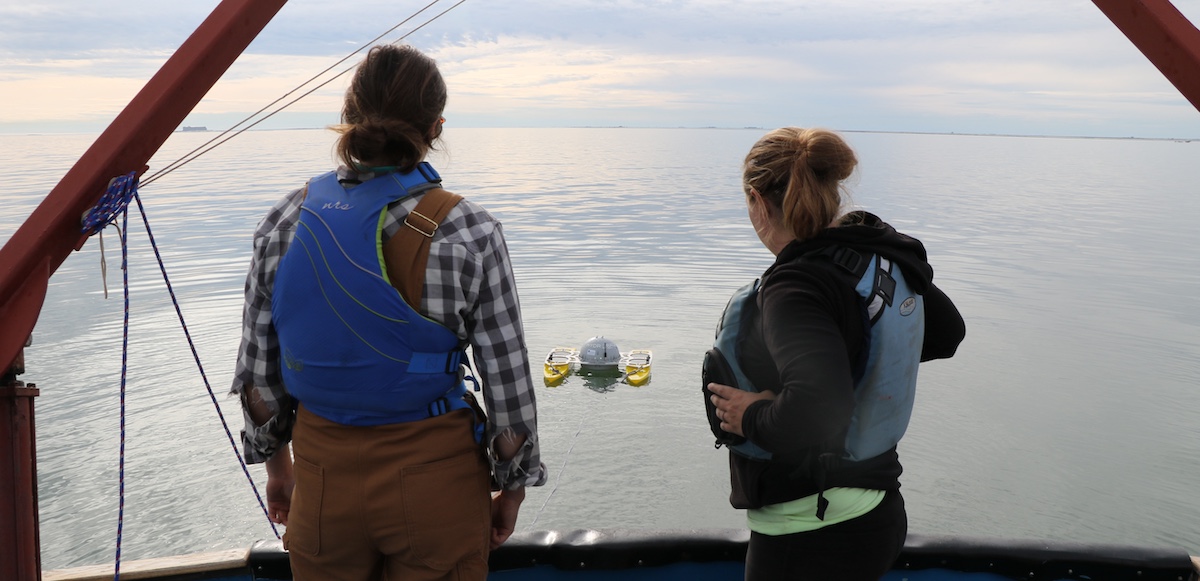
x: 703, y: 555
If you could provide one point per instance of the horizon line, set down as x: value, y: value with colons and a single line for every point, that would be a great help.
x: 204, y: 129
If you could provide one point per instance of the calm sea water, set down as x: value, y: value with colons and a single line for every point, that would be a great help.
x: 1070, y: 412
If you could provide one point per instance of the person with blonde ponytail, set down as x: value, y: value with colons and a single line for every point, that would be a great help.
x: 812, y: 380
x: 366, y: 289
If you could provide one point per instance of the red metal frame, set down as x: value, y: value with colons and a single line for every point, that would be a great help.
x: 52, y: 232
x: 1165, y: 36
x: 19, y: 558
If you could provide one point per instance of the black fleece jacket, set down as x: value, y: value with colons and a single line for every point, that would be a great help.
x: 801, y: 344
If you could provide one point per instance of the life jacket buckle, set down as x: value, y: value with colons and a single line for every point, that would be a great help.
x: 438, y: 407
x: 453, y: 361
x: 849, y: 259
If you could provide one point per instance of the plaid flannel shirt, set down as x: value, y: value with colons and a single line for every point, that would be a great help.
x: 469, y: 288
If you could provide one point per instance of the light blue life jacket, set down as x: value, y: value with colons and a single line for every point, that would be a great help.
x: 884, y: 386
x: 353, y: 351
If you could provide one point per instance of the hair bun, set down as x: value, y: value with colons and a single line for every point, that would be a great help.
x: 825, y: 154
x: 392, y: 137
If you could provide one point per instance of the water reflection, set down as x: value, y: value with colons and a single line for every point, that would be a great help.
x: 602, y: 380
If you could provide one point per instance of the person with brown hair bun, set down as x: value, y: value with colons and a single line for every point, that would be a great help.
x: 812, y: 380
x: 365, y: 290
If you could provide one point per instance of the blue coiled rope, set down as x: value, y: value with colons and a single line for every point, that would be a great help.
x: 113, y: 204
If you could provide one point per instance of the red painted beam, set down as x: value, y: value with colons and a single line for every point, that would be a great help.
x: 52, y: 232
x: 1165, y: 36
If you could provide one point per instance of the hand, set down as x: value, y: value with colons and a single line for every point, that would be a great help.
x: 279, y: 500
x: 505, y: 506
x: 732, y: 402
x: 280, y: 482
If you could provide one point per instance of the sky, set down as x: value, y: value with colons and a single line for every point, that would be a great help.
x: 1024, y: 67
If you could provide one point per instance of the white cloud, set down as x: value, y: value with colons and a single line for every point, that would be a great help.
x: 51, y: 97
x: 510, y: 73
x: 71, y: 89
x: 256, y: 80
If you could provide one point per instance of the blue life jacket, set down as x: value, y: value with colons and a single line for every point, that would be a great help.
x: 885, y: 376
x: 353, y: 351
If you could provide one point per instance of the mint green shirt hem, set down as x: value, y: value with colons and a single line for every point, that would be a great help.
x: 800, y: 515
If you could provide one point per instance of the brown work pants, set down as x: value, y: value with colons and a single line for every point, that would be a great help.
x: 395, y: 502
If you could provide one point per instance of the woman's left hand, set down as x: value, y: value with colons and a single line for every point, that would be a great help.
x: 732, y: 402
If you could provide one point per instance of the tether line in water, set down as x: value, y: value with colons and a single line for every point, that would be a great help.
x: 563, y: 468
x: 238, y: 129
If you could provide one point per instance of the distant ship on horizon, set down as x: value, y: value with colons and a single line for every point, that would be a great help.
x: 193, y: 128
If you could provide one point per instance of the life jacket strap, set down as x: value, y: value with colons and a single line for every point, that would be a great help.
x: 883, y: 287
x: 826, y: 462
x: 849, y: 259
x: 435, y: 362
x: 451, y: 401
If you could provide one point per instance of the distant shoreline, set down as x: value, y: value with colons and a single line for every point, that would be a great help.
x: 1131, y: 137
x: 879, y: 131
x: 1183, y: 139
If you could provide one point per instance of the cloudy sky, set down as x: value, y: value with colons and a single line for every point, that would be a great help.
x: 1040, y: 67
